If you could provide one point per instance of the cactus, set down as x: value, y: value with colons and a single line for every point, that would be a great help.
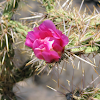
x: 82, y: 30
x: 10, y: 8
x: 84, y: 38
x: 48, y: 4
x: 9, y: 31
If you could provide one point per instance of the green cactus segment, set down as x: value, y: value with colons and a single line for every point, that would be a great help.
x: 9, y: 31
x: 9, y: 75
x: 97, y: 95
x: 83, y: 32
x: 6, y: 67
x: 49, y: 4
x: 89, y: 94
x: 20, y: 29
x: 83, y: 46
x: 95, y: 22
x: 11, y: 6
x: 93, y: 93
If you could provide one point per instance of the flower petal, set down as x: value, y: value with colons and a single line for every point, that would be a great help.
x: 64, y: 39
x: 50, y: 56
x: 46, y: 25
x: 57, y: 47
x: 38, y: 53
x: 28, y: 43
x: 47, y: 42
x: 31, y: 35
x: 37, y: 43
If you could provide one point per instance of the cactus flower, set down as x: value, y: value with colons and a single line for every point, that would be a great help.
x: 47, y: 42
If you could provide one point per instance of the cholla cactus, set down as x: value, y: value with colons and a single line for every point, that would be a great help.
x: 82, y: 31
x: 84, y: 38
x: 10, y: 31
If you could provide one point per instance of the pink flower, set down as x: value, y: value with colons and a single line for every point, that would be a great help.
x: 47, y: 42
